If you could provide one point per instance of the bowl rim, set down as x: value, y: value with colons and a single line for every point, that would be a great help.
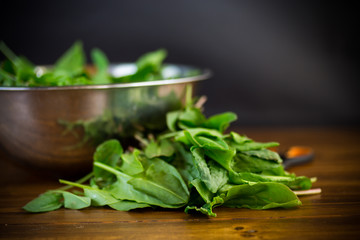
x: 205, y: 74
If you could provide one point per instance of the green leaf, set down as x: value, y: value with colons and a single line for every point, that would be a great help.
x: 189, y: 138
x: 18, y: 63
x: 71, y: 63
x: 6, y: 79
x: 210, y: 143
x: 212, y: 174
x: 264, y: 154
x: 219, y: 175
x: 48, y: 201
x: 222, y: 157
x: 122, y: 190
x: 133, y: 188
x: 24, y: 70
x: 153, y: 59
x: 184, y: 163
x: 171, y: 120
x: 163, y: 148
x: 131, y: 163
x: 8, y: 53
x: 243, y: 143
x: 247, y: 146
x: 260, y: 196
x: 245, y: 163
x: 191, y: 118
x: 220, y: 122
x: 109, y: 153
x: 207, y: 208
x: 99, y: 197
x: 124, y: 205
x: 20, y: 66
x: 73, y: 201
x: 102, y: 64
x: 237, y: 138
x: 149, y: 65
x: 164, y: 182
x: 293, y: 182
x: 202, y: 189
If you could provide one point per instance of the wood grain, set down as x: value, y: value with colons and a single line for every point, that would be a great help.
x: 334, y: 214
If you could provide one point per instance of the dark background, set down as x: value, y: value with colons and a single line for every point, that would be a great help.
x: 274, y: 62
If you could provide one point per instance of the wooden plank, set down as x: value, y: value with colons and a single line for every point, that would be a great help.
x: 334, y: 214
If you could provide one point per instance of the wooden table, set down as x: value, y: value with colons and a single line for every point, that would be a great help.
x: 335, y: 214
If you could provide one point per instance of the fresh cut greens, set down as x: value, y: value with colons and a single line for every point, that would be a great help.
x: 194, y: 165
x: 71, y: 69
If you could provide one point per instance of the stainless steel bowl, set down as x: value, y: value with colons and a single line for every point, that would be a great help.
x: 56, y: 129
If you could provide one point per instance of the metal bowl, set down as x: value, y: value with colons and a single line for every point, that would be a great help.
x: 56, y: 129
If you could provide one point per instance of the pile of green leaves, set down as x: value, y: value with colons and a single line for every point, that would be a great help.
x: 70, y: 69
x: 194, y: 165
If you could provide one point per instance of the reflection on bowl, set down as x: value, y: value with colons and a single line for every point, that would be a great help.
x: 56, y: 129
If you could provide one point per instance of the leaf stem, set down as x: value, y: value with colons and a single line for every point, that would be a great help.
x: 74, y: 184
x: 188, y: 96
x: 109, y: 169
x: 81, y: 180
x: 8, y: 53
x: 7, y: 75
x: 308, y: 192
